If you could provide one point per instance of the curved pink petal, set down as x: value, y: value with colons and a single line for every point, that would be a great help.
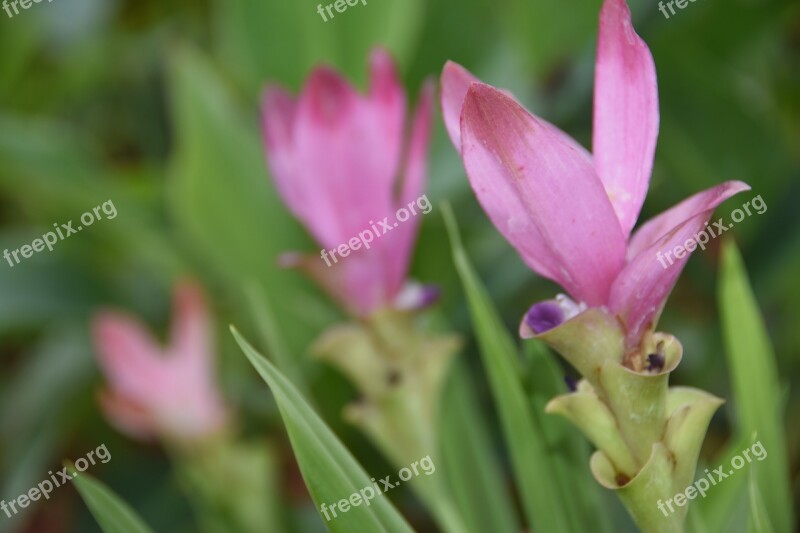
x: 698, y: 203
x: 455, y: 82
x: 128, y: 355
x: 542, y: 194
x: 348, y: 153
x: 399, y: 249
x: 642, y: 288
x: 355, y: 282
x: 129, y: 418
x: 389, y: 107
x: 170, y: 392
x: 191, y: 337
x: 625, y: 112
x: 277, y: 119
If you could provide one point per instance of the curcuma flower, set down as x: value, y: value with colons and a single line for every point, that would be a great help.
x: 154, y: 391
x: 346, y: 167
x: 569, y: 214
x: 344, y: 164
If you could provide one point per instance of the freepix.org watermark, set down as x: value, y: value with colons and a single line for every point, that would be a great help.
x: 24, y: 4
x: 369, y: 492
x: 339, y: 5
x: 701, y: 238
x: 62, y: 232
x: 712, y: 478
x: 56, y: 480
x: 383, y: 227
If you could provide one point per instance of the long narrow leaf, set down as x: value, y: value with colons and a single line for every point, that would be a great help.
x: 474, y: 473
x: 113, y: 514
x: 756, y: 389
x: 331, y: 473
x: 544, y: 509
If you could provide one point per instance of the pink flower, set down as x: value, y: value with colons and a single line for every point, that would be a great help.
x: 155, y: 391
x: 342, y: 164
x: 569, y: 214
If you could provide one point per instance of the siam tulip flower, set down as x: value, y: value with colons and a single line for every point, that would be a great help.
x: 154, y: 391
x: 342, y: 163
x: 569, y: 214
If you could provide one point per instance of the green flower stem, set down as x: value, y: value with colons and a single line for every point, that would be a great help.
x: 647, y: 435
x: 230, y: 484
x: 399, y: 372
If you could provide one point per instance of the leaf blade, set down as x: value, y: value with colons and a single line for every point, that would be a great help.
x: 756, y: 389
x: 329, y: 470
x: 113, y: 514
x: 544, y: 510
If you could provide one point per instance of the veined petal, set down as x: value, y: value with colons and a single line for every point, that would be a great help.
x: 355, y: 282
x: 130, y: 418
x: 277, y: 119
x: 398, y: 251
x: 456, y: 81
x: 642, y: 288
x: 389, y: 101
x: 658, y: 226
x: 129, y: 356
x: 349, y: 151
x: 542, y: 194
x: 191, y: 341
x: 455, y: 84
x: 625, y: 112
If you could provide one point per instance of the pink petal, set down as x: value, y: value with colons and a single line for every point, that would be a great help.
x: 128, y: 355
x: 455, y: 84
x: 349, y: 154
x: 542, y: 194
x: 639, y: 294
x: 277, y: 117
x: 389, y: 102
x: 355, y: 282
x: 191, y: 339
x: 625, y: 112
x: 659, y: 225
x: 128, y: 417
x: 456, y: 81
x: 399, y: 249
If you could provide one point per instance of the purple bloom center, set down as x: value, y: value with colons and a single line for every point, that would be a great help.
x: 544, y: 316
x: 430, y: 295
x: 655, y: 362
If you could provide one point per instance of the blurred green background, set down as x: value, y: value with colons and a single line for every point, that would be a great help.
x: 154, y: 105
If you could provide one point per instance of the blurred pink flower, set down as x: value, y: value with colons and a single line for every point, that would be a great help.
x: 569, y: 214
x: 161, y: 392
x: 342, y: 162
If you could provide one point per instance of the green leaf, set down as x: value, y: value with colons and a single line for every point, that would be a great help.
x: 331, y: 473
x: 720, y: 510
x: 759, y: 516
x: 568, y: 449
x: 534, y: 471
x: 756, y: 389
x: 222, y: 199
x: 474, y: 473
x: 113, y: 514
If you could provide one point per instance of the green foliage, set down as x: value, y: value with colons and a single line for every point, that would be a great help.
x: 756, y: 388
x: 155, y: 105
x: 330, y: 471
x: 113, y: 514
x: 540, y: 486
